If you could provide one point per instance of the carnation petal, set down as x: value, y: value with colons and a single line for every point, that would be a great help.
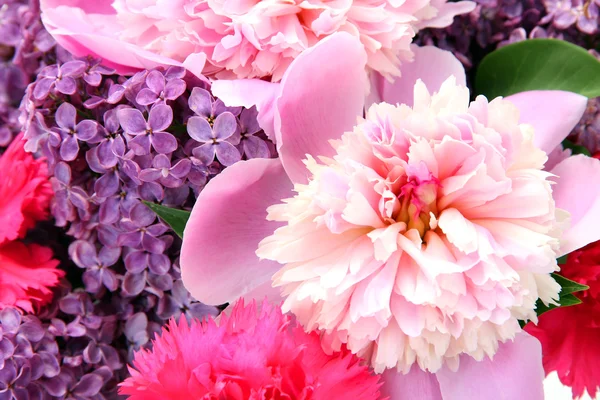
x: 431, y: 65
x: 553, y: 114
x: 516, y: 372
x: 574, y: 193
x: 231, y: 211
x: 322, y: 94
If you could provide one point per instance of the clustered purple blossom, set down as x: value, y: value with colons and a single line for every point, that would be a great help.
x: 496, y: 23
x: 25, y: 48
x: 111, y: 143
x: 587, y: 132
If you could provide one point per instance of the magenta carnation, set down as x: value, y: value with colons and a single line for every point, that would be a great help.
x: 250, y: 354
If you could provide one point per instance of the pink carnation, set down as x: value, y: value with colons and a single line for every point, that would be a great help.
x: 251, y: 39
x: 248, y: 355
x: 417, y: 236
x: 27, y: 272
x: 25, y: 193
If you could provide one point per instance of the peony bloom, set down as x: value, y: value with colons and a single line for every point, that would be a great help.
x: 419, y: 235
x: 25, y: 194
x: 27, y: 272
x: 229, y: 39
x: 569, y: 336
x: 248, y: 355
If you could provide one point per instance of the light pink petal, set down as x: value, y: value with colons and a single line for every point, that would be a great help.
x: 416, y: 385
x: 248, y: 93
x: 90, y: 28
x: 218, y: 260
x: 322, y: 95
x: 578, y: 193
x: 553, y: 114
x: 515, y: 373
x: 432, y: 65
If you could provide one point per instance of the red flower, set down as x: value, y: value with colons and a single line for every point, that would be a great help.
x: 26, y: 274
x: 570, y: 336
x: 25, y: 191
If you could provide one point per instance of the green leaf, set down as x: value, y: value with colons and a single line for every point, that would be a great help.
x: 175, y: 218
x: 538, y: 64
x: 575, y: 149
x: 565, y: 301
x: 568, y: 286
x: 562, y: 260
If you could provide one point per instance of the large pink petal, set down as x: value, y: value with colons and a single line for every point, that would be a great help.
x: 553, y: 114
x: 416, y: 385
x: 248, y: 93
x: 577, y: 191
x: 90, y: 28
x: 218, y: 260
x: 431, y: 65
x: 322, y: 95
x: 516, y: 372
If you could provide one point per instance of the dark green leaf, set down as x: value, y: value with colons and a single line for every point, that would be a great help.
x: 568, y: 286
x: 565, y: 301
x: 175, y: 218
x: 562, y: 260
x: 575, y: 149
x: 538, y: 64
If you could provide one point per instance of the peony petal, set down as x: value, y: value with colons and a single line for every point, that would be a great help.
x: 248, y: 93
x: 218, y: 261
x: 322, y: 95
x: 89, y: 29
x: 553, y: 114
x: 432, y: 65
x: 574, y: 193
x: 515, y: 373
x: 416, y: 385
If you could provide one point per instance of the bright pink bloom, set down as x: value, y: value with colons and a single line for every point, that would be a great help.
x: 239, y: 39
x: 25, y: 191
x: 27, y: 272
x: 417, y: 236
x: 569, y: 335
x: 248, y: 355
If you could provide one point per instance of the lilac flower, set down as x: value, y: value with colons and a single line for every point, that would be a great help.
x: 94, y: 71
x: 96, y: 264
x: 167, y: 175
x: 180, y: 302
x: 68, y: 386
x: 72, y: 132
x: 251, y: 144
x: 565, y: 13
x: 160, y: 90
x: 587, y: 132
x: 139, y: 230
x: 214, y: 138
x: 60, y: 77
x: 151, y: 132
x: 69, y: 200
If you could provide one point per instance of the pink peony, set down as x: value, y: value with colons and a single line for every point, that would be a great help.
x: 27, y: 272
x: 229, y: 39
x: 25, y: 193
x: 247, y: 355
x: 417, y: 236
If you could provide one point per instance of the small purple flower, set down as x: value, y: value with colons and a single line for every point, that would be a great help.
x: 139, y: 230
x: 160, y: 90
x: 60, y: 77
x: 93, y: 74
x: 96, y: 264
x: 250, y: 144
x: 167, y: 175
x: 72, y: 132
x: 214, y: 138
x: 148, y: 133
x: 69, y: 387
x: 181, y: 302
x: 69, y: 200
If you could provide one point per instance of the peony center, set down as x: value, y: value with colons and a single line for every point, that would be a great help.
x: 418, y: 201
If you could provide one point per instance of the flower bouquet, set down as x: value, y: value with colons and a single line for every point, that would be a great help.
x: 298, y: 199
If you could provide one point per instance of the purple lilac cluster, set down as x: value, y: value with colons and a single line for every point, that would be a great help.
x: 25, y: 47
x: 112, y: 143
x: 495, y: 23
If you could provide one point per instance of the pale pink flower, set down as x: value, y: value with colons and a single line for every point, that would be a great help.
x: 240, y: 39
x: 249, y: 354
x: 418, y: 235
